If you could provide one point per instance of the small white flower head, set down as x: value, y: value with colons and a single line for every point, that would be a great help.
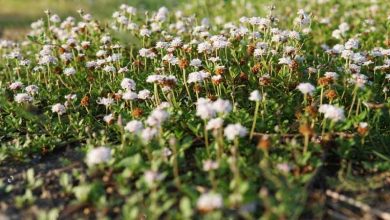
x: 352, y: 43
x: 134, y: 126
x: 98, y: 155
x: 123, y: 70
x: 148, y: 134
x: 332, y: 112
x: 359, y: 80
x: 164, y: 105
x: 208, y: 202
x: 145, y: 32
x: 69, y: 71
x: 214, y: 124
x: 197, y: 77
x: 196, y: 63
x: 144, y: 94
x: 109, y: 118
x: 285, y: 61
x: 32, y: 89
x: 255, y: 96
x: 109, y: 69
x: 15, y: 85
x: 105, y: 101
x: 222, y: 106
x: 23, y: 98
x: 210, y: 165
x: 105, y: 39
x: 55, y: 18
x: 363, y: 124
x: 58, y: 108
x: 157, y: 117
x: 204, y: 109
x: 332, y: 75
x: 306, y: 88
x: 302, y: 19
x: 129, y: 95
x: 232, y: 131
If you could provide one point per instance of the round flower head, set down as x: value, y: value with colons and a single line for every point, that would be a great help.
x: 255, y: 96
x: 134, y: 126
x: 69, y: 71
x: 58, y: 108
x: 108, y: 118
x: 209, y: 201
x: 32, y: 89
x: 222, y: 106
x: 204, y: 109
x: 332, y: 112
x: 105, y: 101
x: 98, y: 155
x: 129, y: 95
x: 306, y: 88
x: 157, y: 117
x: 23, y: 98
x: 144, y: 94
x: 15, y: 85
x: 128, y: 84
x: 214, y: 124
x: 232, y: 131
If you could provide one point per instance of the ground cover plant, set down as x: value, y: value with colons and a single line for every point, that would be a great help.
x: 247, y: 111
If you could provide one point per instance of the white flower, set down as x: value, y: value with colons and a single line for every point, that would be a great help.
x: 352, y: 43
x: 69, y: 71
x: 157, y: 117
x: 363, y: 124
x: 197, y: 77
x: 209, y: 201
x: 55, y: 18
x: 98, y: 155
x: 332, y: 75
x: 108, y: 118
x: 255, y: 96
x: 32, y: 89
x: 105, y: 39
x: 306, y: 88
x: 332, y: 112
x: 196, y: 63
x: 214, y: 124
x: 204, y: 47
x: 58, y: 108
x: 15, y: 85
x: 222, y: 106
x: 123, y: 70
x: 145, y: 32
x: 109, y: 69
x: 129, y: 95
x: 232, y: 131
x: 148, y: 134
x: 23, y: 97
x: 144, y: 94
x: 204, y: 109
x: 285, y: 60
x: 105, y: 101
x: 134, y: 126
x: 359, y: 80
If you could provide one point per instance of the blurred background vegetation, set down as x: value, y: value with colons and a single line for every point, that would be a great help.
x: 16, y: 15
